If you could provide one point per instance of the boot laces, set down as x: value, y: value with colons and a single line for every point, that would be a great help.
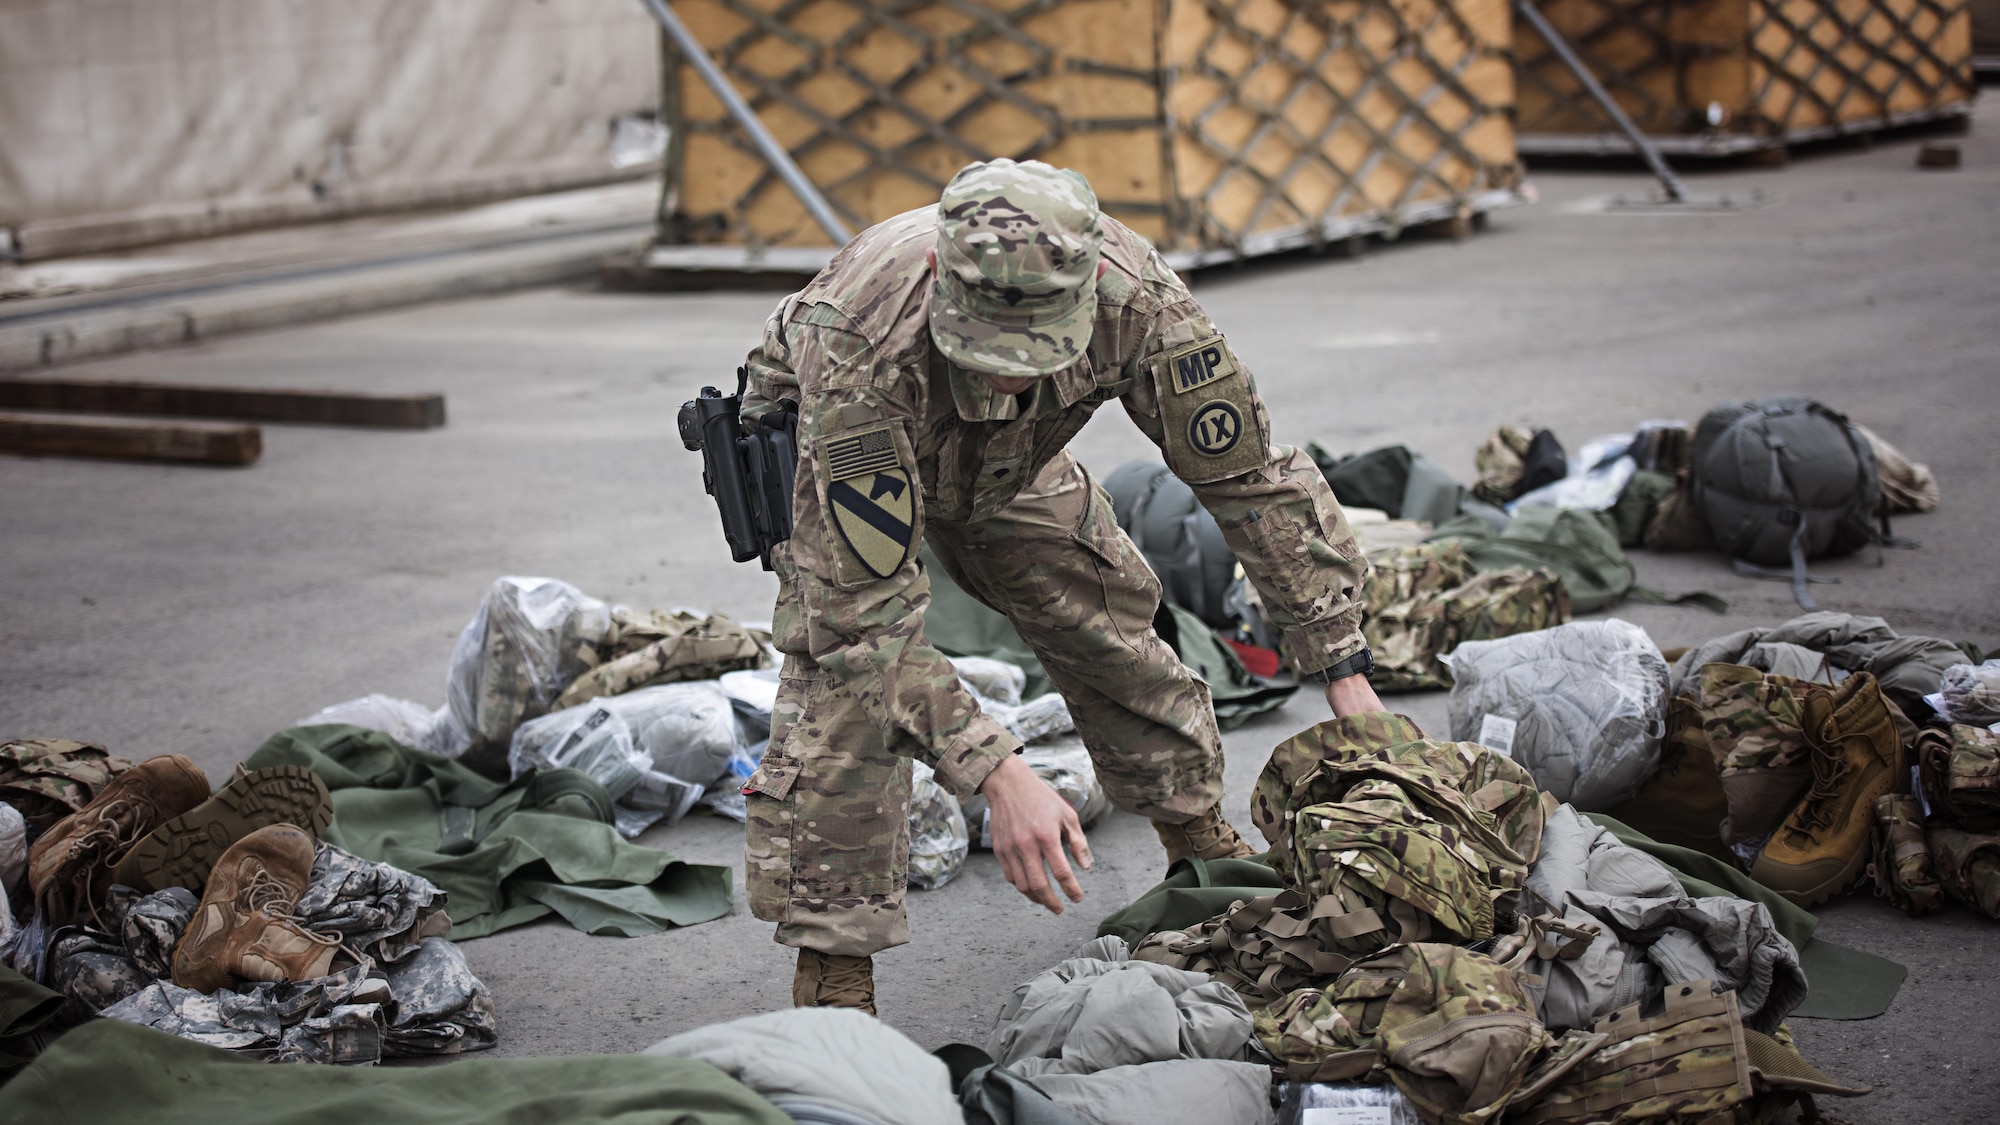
x: 116, y: 826
x: 1829, y: 766
x: 268, y: 894
x: 843, y: 981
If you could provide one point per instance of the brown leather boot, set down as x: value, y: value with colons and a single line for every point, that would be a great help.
x: 70, y: 866
x: 1207, y: 836
x: 832, y: 980
x: 243, y: 928
x: 180, y: 852
x: 1822, y: 845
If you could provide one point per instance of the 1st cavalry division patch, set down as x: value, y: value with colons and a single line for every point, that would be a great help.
x: 874, y: 503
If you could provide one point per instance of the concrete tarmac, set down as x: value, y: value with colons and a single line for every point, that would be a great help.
x: 196, y: 611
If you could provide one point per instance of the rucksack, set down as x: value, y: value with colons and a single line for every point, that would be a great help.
x: 1181, y: 541
x: 1784, y: 480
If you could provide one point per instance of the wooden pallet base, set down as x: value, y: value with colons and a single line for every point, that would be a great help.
x: 1721, y: 144
x: 247, y: 404
x: 131, y: 441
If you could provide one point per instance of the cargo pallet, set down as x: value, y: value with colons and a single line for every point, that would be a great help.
x: 1221, y: 130
x: 1721, y: 78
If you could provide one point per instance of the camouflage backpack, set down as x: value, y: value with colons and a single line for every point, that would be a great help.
x: 1902, y: 869
x: 47, y: 779
x: 1426, y: 600
x: 1514, y: 460
x: 1395, y: 837
x: 1959, y: 772
x: 1450, y: 1027
x: 1262, y: 947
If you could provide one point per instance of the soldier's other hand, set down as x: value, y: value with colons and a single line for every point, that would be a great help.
x: 1031, y: 823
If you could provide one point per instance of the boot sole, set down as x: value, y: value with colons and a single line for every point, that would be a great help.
x: 1818, y: 893
x: 182, y: 852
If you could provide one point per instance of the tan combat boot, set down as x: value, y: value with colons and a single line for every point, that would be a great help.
x: 832, y: 980
x: 1207, y: 836
x: 243, y: 929
x: 70, y: 865
x: 1856, y: 757
x: 181, y: 852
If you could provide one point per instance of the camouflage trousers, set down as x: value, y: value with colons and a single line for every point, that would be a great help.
x: 828, y: 850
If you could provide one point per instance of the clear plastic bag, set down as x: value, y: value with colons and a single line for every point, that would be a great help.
x: 1343, y: 1103
x: 938, y: 839
x: 1583, y: 706
x: 529, y: 639
x: 992, y: 681
x: 592, y: 738
x: 407, y: 722
x: 997, y: 685
x: 1969, y: 694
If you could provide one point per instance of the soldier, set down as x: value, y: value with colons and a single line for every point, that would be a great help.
x: 939, y: 365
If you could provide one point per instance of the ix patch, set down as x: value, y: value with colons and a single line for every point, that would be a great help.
x: 871, y: 498
x: 1207, y: 408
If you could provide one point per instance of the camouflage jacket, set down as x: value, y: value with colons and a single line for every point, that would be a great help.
x: 880, y: 410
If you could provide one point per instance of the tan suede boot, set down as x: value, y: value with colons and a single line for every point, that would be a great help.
x: 70, y: 865
x: 832, y: 980
x: 243, y: 928
x: 181, y: 852
x: 1822, y: 845
x: 1207, y: 836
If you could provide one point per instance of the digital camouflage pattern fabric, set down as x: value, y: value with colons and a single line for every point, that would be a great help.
x: 939, y: 840
x: 1450, y: 1027
x: 1902, y: 870
x: 1017, y: 254
x: 1022, y: 528
x: 49, y: 778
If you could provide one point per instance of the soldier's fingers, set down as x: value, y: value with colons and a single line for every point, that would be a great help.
x: 1079, y: 845
x: 1065, y: 878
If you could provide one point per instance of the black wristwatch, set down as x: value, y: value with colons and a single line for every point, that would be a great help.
x: 1360, y: 664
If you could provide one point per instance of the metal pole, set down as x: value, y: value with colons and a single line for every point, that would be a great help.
x: 774, y: 153
x: 1676, y: 191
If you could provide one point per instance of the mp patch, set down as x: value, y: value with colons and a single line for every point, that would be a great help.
x: 1216, y: 434
x: 871, y: 498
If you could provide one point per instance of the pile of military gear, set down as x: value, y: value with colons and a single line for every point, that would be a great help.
x: 1443, y: 925
x: 218, y: 917
x: 1785, y: 745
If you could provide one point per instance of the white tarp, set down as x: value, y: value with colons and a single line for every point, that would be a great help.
x: 124, y: 121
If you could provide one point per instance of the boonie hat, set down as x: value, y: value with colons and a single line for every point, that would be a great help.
x: 1016, y: 286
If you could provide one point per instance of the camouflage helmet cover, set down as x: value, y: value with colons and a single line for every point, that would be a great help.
x: 1016, y: 285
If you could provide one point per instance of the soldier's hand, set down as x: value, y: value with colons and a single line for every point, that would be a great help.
x: 1031, y: 823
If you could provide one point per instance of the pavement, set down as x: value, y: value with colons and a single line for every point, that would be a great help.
x: 163, y: 609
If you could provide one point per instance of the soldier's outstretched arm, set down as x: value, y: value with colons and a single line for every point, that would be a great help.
x: 1197, y: 401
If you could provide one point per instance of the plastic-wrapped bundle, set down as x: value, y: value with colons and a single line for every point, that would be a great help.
x: 1067, y: 768
x: 937, y: 831
x: 406, y: 721
x: 1969, y: 694
x: 1583, y: 706
x: 530, y: 638
x: 656, y: 749
x: 997, y: 685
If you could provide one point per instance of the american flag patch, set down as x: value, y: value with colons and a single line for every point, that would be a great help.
x: 860, y: 454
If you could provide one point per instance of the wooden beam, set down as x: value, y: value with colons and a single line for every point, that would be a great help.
x: 131, y: 441
x: 249, y: 404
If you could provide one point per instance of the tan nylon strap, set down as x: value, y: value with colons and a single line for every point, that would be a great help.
x: 1341, y: 1066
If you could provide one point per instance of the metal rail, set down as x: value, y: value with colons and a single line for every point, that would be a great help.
x: 1676, y: 191
x: 773, y: 152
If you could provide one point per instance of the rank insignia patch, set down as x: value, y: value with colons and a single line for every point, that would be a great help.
x: 872, y: 500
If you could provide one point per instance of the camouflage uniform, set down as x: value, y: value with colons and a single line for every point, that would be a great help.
x: 901, y: 445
